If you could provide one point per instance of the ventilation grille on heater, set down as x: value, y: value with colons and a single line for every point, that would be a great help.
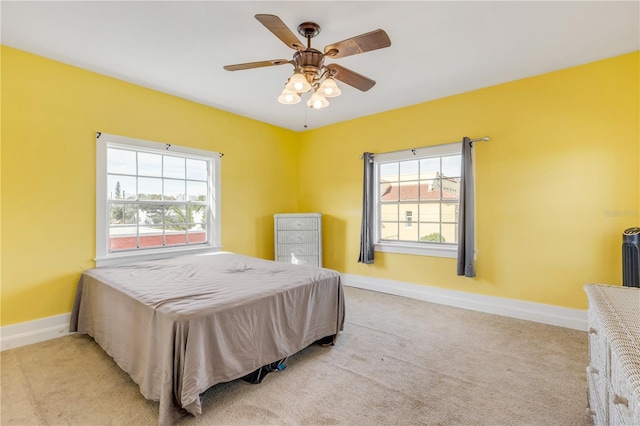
x: 631, y: 257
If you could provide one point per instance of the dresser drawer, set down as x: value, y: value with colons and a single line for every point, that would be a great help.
x: 300, y: 260
x: 597, y: 395
x: 298, y: 249
x: 297, y: 237
x: 297, y: 223
x: 624, y: 406
x: 598, y: 348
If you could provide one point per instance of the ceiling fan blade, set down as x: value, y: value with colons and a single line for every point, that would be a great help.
x: 359, y: 44
x: 351, y: 78
x: 280, y: 30
x: 249, y: 65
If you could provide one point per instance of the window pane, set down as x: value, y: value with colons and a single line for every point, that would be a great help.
x: 429, y: 212
x: 197, y: 215
x: 196, y: 169
x: 175, y: 215
x: 177, y: 235
x: 196, y: 191
x: 429, y: 168
x: 450, y: 188
x: 388, y: 192
x: 408, y: 233
x: 450, y: 212
x: 131, y: 214
x: 121, y: 161
x: 389, y: 172
x: 151, y: 214
x: 121, y: 187
x: 389, y: 212
x: 449, y: 233
x: 389, y: 231
x: 409, y: 191
x: 120, y: 214
x: 173, y: 167
x: 197, y: 235
x: 430, y: 190
x: 451, y: 165
x: 409, y: 170
x: 149, y: 189
x: 409, y: 213
x: 122, y: 238
x: 430, y: 232
x: 151, y: 236
x: 116, y: 214
x: 149, y: 164
x: 174, y: 190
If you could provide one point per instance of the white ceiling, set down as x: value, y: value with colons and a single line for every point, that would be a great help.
x: 437, y: 48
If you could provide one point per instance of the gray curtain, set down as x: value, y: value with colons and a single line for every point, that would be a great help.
x: 368, y: 203
x: 466, y: 218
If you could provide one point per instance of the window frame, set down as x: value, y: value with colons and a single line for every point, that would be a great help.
x: 105, y: 257
x: 404, y: 247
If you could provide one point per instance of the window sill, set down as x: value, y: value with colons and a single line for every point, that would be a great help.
x: 449, y: 251
x: 140, y: 256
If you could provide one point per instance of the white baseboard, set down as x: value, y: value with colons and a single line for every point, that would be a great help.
x: 547, y: 314
x: 26, y: 333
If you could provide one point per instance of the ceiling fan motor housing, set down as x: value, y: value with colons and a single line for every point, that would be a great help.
x: 309, y: 61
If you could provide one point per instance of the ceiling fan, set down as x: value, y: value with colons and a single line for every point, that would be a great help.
x: 310, y: 71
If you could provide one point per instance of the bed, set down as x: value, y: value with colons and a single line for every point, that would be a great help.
x: 179, y: 326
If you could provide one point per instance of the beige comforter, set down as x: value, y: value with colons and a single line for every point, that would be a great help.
x: 182, y: 325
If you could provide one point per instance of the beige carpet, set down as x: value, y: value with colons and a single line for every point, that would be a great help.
x: 399, y: 361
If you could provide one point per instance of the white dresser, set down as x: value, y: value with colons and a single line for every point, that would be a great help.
x: 613, y: 373
x: 298, y: 238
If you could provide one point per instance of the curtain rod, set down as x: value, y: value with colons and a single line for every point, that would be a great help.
x: 484, y: 139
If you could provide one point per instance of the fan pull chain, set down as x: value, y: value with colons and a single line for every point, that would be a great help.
x: 305, y: 117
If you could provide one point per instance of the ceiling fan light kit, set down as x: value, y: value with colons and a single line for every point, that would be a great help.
x: 317, y: 101
x: 298, y: 83
x: 310, y: 73
x: 288, y: 97
x: 329, y: 88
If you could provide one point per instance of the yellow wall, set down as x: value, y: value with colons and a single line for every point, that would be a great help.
x: 565, y: 149
x: 563, y: 153
x: 50, y: 114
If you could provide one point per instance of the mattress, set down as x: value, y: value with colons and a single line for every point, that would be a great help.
x: 179, y: 326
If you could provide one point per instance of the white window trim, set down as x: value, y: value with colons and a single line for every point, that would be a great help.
x: 103, y: 256
x: 401, y: 247
x: 424, y: 249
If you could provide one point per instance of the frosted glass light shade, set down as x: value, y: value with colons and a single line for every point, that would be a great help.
x: 329, y: 88
x: 298, y: 83
x: 288, y: 97
x: 317, y: 101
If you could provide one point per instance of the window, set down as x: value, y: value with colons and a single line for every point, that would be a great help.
x: 418, y: 200
x: 154, y: 200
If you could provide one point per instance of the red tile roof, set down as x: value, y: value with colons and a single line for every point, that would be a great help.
x: 409, y: 192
